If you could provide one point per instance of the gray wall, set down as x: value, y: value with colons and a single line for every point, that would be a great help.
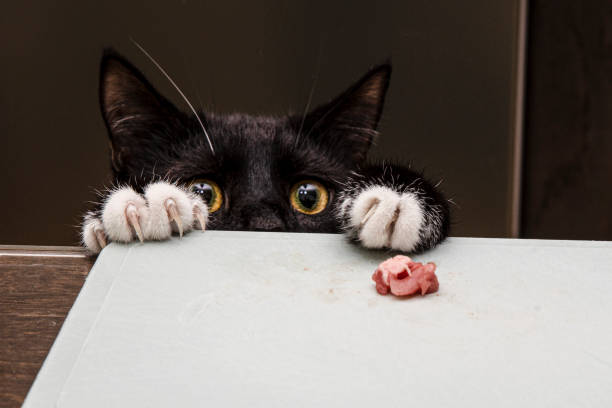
x: 449, y: 110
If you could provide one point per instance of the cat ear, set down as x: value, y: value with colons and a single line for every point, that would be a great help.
x: 348, y: 123
x: 134, y: 112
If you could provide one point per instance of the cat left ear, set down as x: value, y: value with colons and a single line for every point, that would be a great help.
x: 134, y: 112
x: 348, y: 123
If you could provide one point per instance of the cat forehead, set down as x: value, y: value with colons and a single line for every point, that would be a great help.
x: 238, y: 125
x: 243, y: 140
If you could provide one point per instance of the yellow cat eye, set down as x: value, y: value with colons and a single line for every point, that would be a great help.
x: 209, y: 191
x: 309, y: 197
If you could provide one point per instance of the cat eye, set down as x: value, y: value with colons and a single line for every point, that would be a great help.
x: 209, y: 191
x: 309, y: 197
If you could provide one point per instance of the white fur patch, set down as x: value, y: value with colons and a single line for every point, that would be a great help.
x: 409, y: 222
x: 374, y: 233
x: 114, y: 219
x: 342, y: 210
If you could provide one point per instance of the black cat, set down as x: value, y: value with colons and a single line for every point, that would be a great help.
x: 175, y: 172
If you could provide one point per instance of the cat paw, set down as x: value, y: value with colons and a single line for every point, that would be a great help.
x: 383, y: 218
x: 126, y: 216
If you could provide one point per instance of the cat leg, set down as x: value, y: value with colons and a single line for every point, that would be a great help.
x: 126, y: 215
x: 393, y: 207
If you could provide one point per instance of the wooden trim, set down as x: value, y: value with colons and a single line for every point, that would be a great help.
x: 518, y: 110
x: 27, y: 250
x: 38, y: 286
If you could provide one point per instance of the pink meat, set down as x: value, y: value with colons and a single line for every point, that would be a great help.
x: 403, y: 277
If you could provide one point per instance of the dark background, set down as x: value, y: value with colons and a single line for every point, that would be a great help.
x: 451, y: 108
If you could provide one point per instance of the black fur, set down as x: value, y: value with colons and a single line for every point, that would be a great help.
x: 257, y: 159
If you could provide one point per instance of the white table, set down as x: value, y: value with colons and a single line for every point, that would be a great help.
x: 272, y: 319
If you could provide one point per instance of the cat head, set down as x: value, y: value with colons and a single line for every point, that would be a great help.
x: 256, y: 172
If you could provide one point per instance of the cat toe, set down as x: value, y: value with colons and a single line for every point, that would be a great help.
x: 170, y: 210
x: 92, y: 233
x: 200, y: 212
x: 123, y: 214
x: 373, y: 214
x: 406, y: 230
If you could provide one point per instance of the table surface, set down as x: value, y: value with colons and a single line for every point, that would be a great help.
x: 38, y: 286
x: 273, y: 319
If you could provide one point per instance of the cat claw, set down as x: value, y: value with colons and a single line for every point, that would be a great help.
x: 173, y: 213
x: 100, y: 237
x: 131, y: 212
x: 369, y: 214
x: 197, y: 212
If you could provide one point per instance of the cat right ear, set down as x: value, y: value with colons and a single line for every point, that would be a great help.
x: 347, y: 124
x: 134, y: 112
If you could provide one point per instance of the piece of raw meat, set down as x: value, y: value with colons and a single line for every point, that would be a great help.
x: 403, y: 277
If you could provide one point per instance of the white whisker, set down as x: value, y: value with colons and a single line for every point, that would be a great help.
x: 194, y: 84
x: 178, y: 90
x: 312, y: 90
x: 310, y: 95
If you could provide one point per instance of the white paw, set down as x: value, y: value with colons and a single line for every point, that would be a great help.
x: 165, y: 208
x: 386, y: 218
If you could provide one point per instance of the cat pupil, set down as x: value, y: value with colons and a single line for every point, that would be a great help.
x: 308, y: 195
x: 204, y: 190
